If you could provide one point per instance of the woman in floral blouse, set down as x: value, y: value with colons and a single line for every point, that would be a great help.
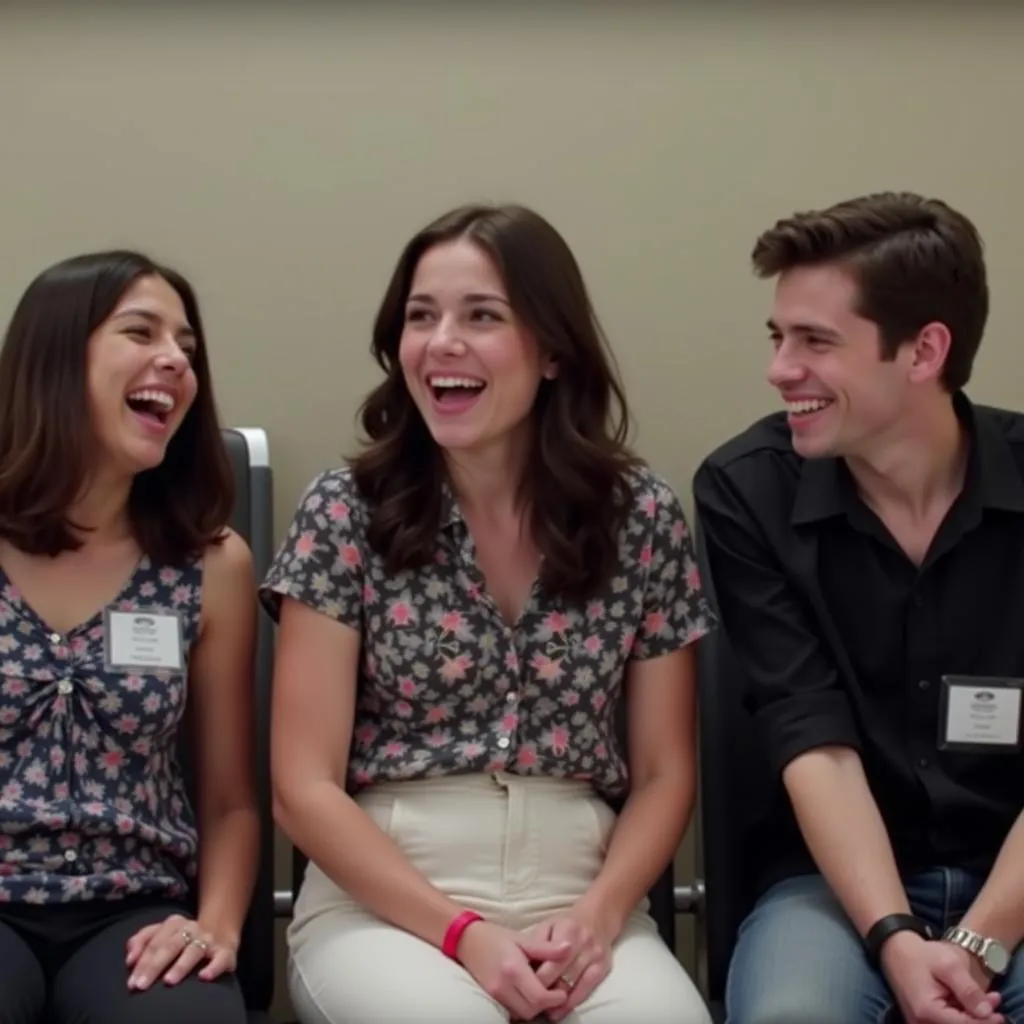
x: 465, y: 610
x: 126, y: 625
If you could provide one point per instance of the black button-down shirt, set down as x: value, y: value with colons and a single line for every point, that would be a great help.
x: 844, y: 640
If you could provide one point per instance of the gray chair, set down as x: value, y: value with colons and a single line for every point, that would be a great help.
x: 252, y: 518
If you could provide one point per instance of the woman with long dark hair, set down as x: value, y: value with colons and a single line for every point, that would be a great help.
x: 467, y: 610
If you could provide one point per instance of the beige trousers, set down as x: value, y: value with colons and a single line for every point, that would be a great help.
x: 516, y: 850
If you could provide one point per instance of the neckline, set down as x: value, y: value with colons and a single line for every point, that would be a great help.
x: 14, y: 597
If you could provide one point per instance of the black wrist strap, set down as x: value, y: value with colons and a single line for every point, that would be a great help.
x: 889, y: 926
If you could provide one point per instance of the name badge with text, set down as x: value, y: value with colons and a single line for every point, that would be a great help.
x: 143, y: 641
x: 980, y: 713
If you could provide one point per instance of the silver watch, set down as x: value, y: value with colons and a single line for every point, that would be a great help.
x: 993, y: 954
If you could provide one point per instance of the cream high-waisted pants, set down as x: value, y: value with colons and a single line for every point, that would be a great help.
x: 516, y: 850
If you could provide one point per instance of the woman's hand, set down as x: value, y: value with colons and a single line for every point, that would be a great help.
x: 173, y: 949
x: 499, y: 959
x: 587, y: 963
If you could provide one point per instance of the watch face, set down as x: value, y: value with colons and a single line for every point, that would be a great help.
x: 996, y: 958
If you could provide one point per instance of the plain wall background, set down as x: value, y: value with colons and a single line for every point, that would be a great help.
x: 282, y: 159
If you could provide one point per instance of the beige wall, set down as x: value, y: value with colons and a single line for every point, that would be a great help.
x: 283, y: 160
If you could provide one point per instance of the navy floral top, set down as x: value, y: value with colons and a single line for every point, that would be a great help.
x: 92, y: 798
x: 445, y: 685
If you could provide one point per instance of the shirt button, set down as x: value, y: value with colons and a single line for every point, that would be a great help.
x: 65, y: 687
x: 70, y: 856
x: 503, y: 742
x: 923, y: 762
x: 55, y: 638
x: 923, y: 684
x: 511, y: 696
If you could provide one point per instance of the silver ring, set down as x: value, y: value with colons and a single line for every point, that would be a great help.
x: 187, y: 936
x: 566, y: 980
x: 204, y: 946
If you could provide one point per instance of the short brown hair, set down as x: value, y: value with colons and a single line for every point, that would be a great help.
x: 176, y: 508
x: 915, y: 260
x: 577, y: 474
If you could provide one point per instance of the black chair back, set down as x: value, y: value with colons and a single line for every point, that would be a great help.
x: 737, y: 788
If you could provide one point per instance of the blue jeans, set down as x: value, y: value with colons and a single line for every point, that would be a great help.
x: 798, y: 960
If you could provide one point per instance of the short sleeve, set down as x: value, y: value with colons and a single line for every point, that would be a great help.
x: 320, y: 560
x: 790, y: 678
x: 676, y: 611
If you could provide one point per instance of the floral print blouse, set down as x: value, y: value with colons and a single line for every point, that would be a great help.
x: 93, y: 802
x: 445, y: 685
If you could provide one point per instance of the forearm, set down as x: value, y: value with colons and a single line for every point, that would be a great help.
x: 998, y: 911
x: 228, y: 862
x: 646, y: 838
x: 347, y: 845
x: 845, y: 834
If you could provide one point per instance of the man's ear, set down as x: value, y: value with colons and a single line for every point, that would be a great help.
x: 930, y: 351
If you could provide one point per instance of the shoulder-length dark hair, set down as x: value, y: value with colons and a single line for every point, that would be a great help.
x: 577, y: 476
x: 46, y: 439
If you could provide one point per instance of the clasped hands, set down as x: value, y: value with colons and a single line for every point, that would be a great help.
x: 549, y: 969
x: 172, y: 949
x: 937, y: 982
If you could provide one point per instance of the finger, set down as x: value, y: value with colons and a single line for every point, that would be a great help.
x: 536, y: 998
x: 942, y: 1013
x: 190, y: 958
x: 566, y: 968
x: 161, y: 951
x: 582, y: 990
x: 536, y: 994
x: 138, y: 942
x: 565, y: 972
x: 966, y: 991
x: 564, y: 929
x: 548, y: 972
x: 540, y: 950
x: 222, y: 962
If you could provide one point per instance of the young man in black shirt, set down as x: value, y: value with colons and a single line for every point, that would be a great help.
x: 866, y: 547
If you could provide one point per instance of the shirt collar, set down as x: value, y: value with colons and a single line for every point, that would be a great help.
x: 451, y: 514
x: 993, y: 479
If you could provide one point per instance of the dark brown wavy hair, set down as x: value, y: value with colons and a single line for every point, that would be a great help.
x: 577, y: 482
x: 46, y: 445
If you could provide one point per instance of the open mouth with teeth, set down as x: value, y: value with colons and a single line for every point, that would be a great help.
x: 151, y: 405
x: 801, y: 407
x: 455, y: 393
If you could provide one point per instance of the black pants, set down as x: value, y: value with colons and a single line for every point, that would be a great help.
x: 66, y: 965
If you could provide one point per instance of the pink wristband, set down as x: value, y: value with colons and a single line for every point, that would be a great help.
x: 453, y: 935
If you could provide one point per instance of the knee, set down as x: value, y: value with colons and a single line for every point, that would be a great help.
x: 665, y: 996
x: 361, y: 996
x: 22, y: 990
x: 198, y: 1002
x: 789, y: 1007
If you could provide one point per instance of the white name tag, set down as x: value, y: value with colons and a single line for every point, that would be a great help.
x: 980, y: 713
x: 143, y: 641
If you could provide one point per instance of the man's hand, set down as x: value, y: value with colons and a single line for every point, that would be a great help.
x: 937, y: 982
